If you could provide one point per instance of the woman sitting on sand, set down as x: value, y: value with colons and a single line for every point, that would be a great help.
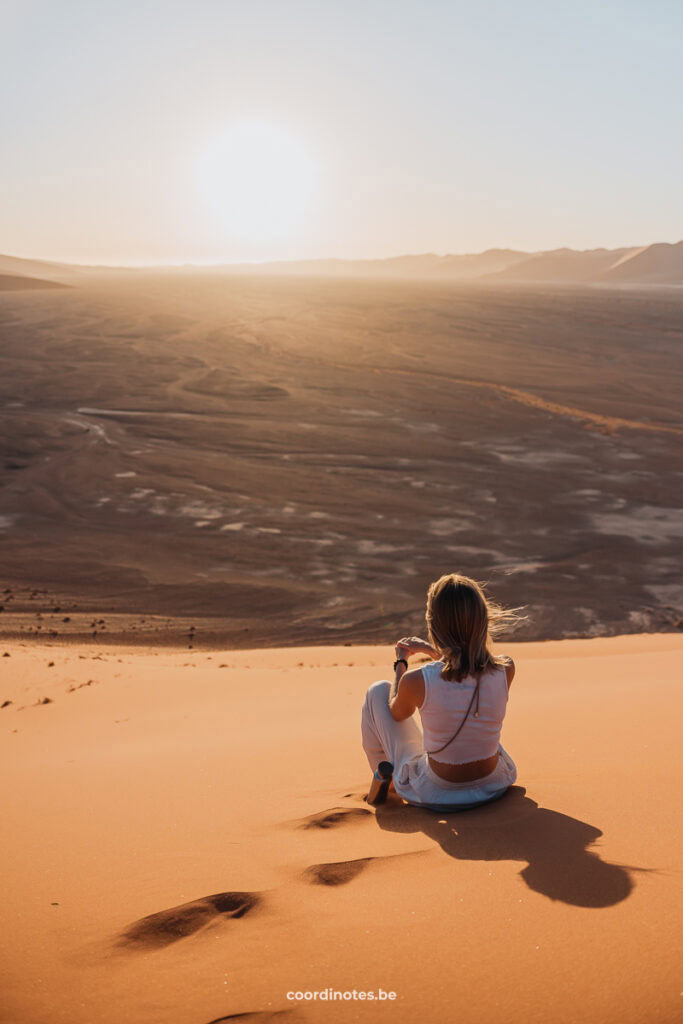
x: 457, y: 761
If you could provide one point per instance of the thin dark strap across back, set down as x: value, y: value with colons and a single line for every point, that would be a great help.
x: 476, y: 715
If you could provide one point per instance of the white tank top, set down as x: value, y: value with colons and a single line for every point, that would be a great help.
x: 444, y: 707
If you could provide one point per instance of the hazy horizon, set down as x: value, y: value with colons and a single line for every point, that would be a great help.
x: 149, y: 134
x: 130, y: 265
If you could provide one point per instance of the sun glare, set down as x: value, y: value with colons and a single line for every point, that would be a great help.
x: 258, y: 182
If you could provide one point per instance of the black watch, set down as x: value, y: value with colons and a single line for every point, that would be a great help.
x: 400, y: 661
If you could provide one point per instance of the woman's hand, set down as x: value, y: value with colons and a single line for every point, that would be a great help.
x: 408, y: 645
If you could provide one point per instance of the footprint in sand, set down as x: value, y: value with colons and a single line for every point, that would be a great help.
x: 360, y: 795
x: 336, y: 873
x: 169, y: 926
x: 260, y: 1016
x: 343, y: 871
x: 334, y: 817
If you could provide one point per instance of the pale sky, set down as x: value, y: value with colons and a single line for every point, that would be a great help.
x: 161, y: 131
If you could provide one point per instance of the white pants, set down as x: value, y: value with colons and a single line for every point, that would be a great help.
x: 385, y: 739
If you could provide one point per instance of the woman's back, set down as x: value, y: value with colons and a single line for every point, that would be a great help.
x: 444, y: 708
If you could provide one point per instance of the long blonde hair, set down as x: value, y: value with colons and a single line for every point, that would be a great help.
x: 462, y: 622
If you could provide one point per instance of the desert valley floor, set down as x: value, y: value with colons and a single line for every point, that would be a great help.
x: 234, y: 460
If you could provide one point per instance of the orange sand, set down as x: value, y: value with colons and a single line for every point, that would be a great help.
x: 156, y: 779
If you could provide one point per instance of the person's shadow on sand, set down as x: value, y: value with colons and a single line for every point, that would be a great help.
x: 514, y: 827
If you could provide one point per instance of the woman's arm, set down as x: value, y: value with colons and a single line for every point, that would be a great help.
x: 400, y: 671
x: 407, y: 694
x: 407, y: 690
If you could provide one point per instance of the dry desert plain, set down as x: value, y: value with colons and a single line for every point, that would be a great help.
x: 211, y: 459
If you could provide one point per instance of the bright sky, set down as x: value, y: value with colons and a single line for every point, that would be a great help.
x: 170, y: 131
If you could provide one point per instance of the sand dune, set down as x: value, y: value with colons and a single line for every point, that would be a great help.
x: 15, y: 282
x: 40, y: 269
x: 185, y: 839
x: 655, y: 264
x: 643, y: 265
x: 564, y: 265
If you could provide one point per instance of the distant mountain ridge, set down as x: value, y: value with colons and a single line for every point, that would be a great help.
x: 428, y: 265
x: 660, y: 263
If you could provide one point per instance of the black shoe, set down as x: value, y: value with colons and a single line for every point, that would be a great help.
x: 379, y: 787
